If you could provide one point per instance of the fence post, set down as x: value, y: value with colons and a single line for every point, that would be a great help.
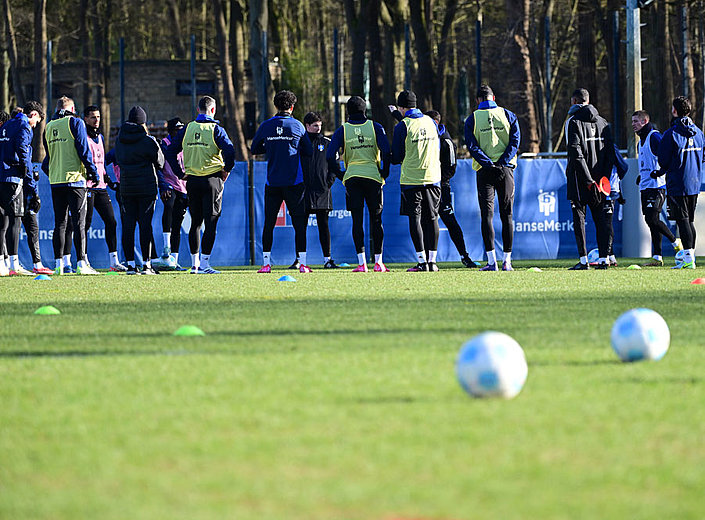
x: 251, y: 206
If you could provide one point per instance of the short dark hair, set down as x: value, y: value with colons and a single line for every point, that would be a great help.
x: 4, y: 116
x: 641, y: 114
x: 312, y: 117
x: 581, y: 94
x: 484, y: 92
x: 435, y: 115
x: 206, y: 103
x: 356, y: 105
x: 682, y: 106
x: 34, y: 106
x: 91, y: 108
x: 284, y: 100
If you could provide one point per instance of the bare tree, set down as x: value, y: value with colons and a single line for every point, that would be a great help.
x: 262, y: 82
x: 232, y: 115
x: 356, y: 12
x: 12, y: 51
x: 40, y: 73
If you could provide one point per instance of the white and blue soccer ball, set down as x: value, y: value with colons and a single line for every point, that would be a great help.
x: 593, y: 256
x: 680, y: 258
x: 491, y: 364
x: 640, y: 334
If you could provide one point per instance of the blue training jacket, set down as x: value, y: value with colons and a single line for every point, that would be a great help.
x: 16, y: 152
x: 284, y: 141
x: 338, y: 141
x: 474, y: 148
x: 680, y: 156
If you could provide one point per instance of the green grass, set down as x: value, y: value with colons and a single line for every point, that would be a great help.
x: 335, y: 398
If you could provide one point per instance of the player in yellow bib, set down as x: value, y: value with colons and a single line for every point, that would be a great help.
x: 417, y: 147
x: 208, y: 158
x: 365, y: 151
x: 492, y: 136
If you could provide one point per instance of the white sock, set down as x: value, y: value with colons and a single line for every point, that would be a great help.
x: 14, y: 262
x: 67, y: 260
x: 432, y: 256
x: 85, y: 259
x: 267, y: 258
x: 378, y: 259
x: 205, y: 260
x: 148, y: 263
x: 131, y: 263
x: 602, y: 260
x: 421, y: 256
x: 361, y: 260
x: 176, y: 257
x: 194, y: 260
x: 113, y: 258
x: 612, y: 259
x: 38, y: 265
x: 491, y: 257
x: 689, y: 255
x: 166, y: 237
x: 508, y: 257
x: 59, y: 262
x: 659, y: 258
x: 302, y: 258
x: 326, y: 259
x: 81, y: 264
x: 583, y: 260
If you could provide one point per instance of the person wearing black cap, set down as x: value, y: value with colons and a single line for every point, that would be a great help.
x: 98, y: 197
x: 140, y: 158
x: 319, y: 177
x: 173, y: 194
x: 69, y: 164
x: 416, y: 146
x: 492, y: 135
x: 366, y: 154
x: 209, y: 156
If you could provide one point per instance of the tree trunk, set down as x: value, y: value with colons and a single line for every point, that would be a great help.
x: 379, y: 107
x: 12, y: 51
x: 662, y: 114
x: 424, y: 84
x: 259, y: 19
x: 232, y: 115
x: 439, y: 93
x: 40, y: 73
x: 177, y: 34
x: 85, y: 52
x: 237, y: 46
x: 4, y: 69
x: 357, y: 27
x: 523, y: 84
x: 102, y: 50
x: 587, y: 64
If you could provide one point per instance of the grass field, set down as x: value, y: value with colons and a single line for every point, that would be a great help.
x: 335, y: 398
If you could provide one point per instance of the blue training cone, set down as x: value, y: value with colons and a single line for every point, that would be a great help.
x: 43, y: 277
x: 287, y: 278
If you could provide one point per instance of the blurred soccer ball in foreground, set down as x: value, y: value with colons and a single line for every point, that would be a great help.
x: 680, y: 258
x: 640, y: 334
x: 593, y: 256
x: 491, y: 364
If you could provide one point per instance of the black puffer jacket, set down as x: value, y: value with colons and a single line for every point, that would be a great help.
x: 590, y: 152
x: 319, y: 175
x: 139, y: 157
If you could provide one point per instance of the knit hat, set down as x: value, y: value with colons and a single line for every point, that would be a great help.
x: 174, y: 125
x: 137, y: 115
x: 356, y: 105
x: 406, y: 99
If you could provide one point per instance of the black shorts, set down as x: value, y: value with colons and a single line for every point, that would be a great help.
x: 416, y: 200
x: 294, y: 196
x: 652, y: 199
x: 682, y: 207
x: 205, y: 194
x: 359, y: 190
x: 11, y: 199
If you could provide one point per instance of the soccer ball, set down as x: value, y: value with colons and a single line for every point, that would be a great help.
x: 593, y: 256
x: 680, y: 258
x: 491, y: 364
x: 640, y: 334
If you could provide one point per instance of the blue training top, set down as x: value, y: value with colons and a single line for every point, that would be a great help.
x: 284, y: 141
